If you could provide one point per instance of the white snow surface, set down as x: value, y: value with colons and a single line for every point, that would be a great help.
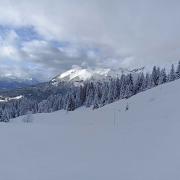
x: 82, y: 74
x: 6, y: 99
x: 110, y: 143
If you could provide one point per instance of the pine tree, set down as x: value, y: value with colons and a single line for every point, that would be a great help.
x: 111, y: 96
x: 96, y: 102
x: 105, y: 92
x: 178, y: 71
x: 42, y: 107
x: 5, y: 116
x: 148, y: 81
x: 129, y: 86
x: 89, y: 94
x: 163, y: 76
x: 155, y: 76
x: 83, y: 94
x: 117, y: 88
x: 123, y: 86
x: 70, y: 103
x: 172, y: 75
x: 98, y: 95
x: 139, y: 84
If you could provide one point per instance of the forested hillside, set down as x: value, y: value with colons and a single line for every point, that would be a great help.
x: 94, y: 93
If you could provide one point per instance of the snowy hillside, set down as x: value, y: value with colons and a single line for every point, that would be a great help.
x: 130, y: 139
x: 82, y: 74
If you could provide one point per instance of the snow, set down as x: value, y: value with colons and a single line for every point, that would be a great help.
x: 73, y: 73
x: 141, y: 143
x: 81, y: 74
x: 6, y: 99
x: 17, y: 97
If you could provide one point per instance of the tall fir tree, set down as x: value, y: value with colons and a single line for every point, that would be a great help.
x: 178, y: 71
x: 129, y: 86
x: 163, y: 76
x: 155, y: 76
x: 172, y: 75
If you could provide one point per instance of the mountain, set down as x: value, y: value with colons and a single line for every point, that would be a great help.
x: 79, y: 74
x: 113, y: 142
x: 7, y: 83
x: 47, y: 97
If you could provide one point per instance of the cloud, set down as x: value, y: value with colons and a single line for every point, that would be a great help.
x: 44, y: 59
x: 98, y: 33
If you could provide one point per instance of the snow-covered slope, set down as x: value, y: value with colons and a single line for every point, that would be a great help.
x: 6, y: 99
x: 141, y: 143
x: 82, y: 74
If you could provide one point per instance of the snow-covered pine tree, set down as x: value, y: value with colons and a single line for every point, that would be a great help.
x: 43, y: 107
x: 172, y: 75
x: 105, y: 91
x: 70, y: 103
x: 155, y: 76
x: 163, y: 76
x: 89, y: 94
x: 139, y: 83
x: 98, y: 95
x: 129, y: 86
x: 178, y: 71
x: 111, y: 96
x: 117, y: 88
x: 5, y: 116
x: 148, y: 81
x: 83, y: 94
x: 123, y: 86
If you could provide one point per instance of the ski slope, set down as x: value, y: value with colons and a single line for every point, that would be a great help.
x: 111, y: 143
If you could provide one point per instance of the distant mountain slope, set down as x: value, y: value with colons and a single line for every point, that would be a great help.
x: 108, y: 143
x: 7, y: 83
x: 79, y: 74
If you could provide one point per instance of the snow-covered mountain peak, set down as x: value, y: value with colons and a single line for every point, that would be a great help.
x: 75, y: 74
x: 78, y: 74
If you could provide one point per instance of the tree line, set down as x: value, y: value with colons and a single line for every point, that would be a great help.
x: 92, y: 93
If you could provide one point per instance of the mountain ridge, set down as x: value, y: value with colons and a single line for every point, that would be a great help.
x: 79, y: 74
x: 8, y: 83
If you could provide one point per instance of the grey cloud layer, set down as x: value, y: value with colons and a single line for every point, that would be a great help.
x: 46, y: 59
x: 125, y: 32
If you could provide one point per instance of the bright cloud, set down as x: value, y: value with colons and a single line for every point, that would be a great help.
x: 53, y: 35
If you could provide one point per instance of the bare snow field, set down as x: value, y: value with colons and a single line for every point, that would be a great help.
x: 134, y: 139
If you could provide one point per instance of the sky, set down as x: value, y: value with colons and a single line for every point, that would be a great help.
x: 42, y: 38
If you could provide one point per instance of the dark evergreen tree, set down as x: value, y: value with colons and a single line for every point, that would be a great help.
x: 155, y: 76
x: 117, y: 88
x: 129, y: 86
x: 172, y: 75
x: 163, y: 76
x: 178, y: 71
x: 70, y: 103
x: 148, y: 81
x: 111, y: 96
x: 139, y: 84
x: 105, y: 92
x: 123, y: 86
x: 90, y: 94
